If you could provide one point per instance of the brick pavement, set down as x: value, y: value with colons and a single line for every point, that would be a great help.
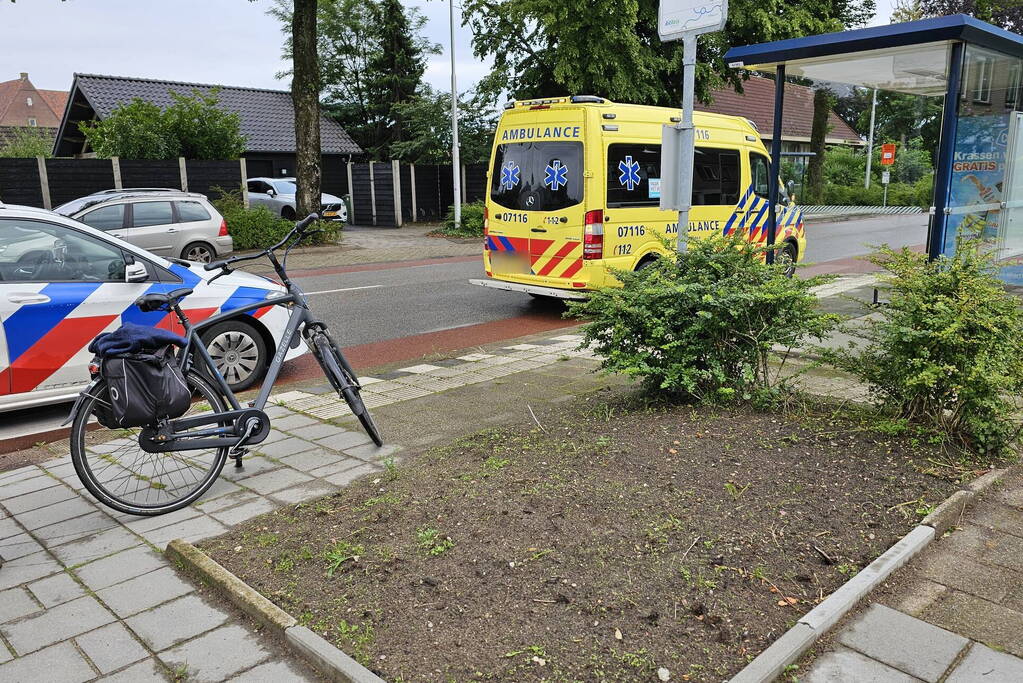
x: 85, y: 593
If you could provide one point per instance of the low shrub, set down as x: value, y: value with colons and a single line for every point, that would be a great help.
x: 472, y: 221
x: 257, y: 227
x: 946, y: 351
x: 703, y: 324
x: 899, y: 194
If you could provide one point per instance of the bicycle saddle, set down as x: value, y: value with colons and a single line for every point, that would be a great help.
x: 157, y: 301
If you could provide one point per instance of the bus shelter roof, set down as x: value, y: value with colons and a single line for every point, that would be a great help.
x: 910, y: 57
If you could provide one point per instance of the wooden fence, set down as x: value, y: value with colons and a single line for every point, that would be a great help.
x: 384, y: 193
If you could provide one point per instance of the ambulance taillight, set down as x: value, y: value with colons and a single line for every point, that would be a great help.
x: 486, y: 222
x: 593, y: 235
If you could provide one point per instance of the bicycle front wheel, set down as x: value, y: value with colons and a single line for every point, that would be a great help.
x: 342, y: 377
x: 121, y: 475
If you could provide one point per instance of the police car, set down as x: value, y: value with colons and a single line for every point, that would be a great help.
x: 62, y: 283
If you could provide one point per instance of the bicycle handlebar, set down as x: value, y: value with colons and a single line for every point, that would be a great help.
x: 299, y: 229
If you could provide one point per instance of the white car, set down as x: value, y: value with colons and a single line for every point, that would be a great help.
x: 63, y: 282
x: 278, y: 195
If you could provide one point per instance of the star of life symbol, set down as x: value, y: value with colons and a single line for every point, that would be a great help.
x: 509, y: 175
x: 630, y: 173
x: 555, y: 175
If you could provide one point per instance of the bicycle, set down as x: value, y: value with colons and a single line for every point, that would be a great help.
x: 168, y: 465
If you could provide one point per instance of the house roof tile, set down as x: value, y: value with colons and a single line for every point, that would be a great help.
x: 756, y: 103
x: 267, y: 116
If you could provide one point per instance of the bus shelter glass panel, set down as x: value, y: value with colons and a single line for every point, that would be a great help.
x: 989, y: 93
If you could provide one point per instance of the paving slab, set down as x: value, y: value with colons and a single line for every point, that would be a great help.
x: 95, y: 546
x: 75, y: 529
x: 986, y: 665
x: 216, y: 655
x: 319, y: 431
x: 303, y: 492
x: 56, y: 513
x: 56, y: 589
x: 122, y: 566
x: 229, y: 501
x: 278, y: 672
x: 9, y: 527
x: 191, y: 530
x: 903, y: 642
x: 980, y: 620
x: 251, y: 466
x: 340, y: 442
x: 177, y: 621
x: 62, y: 664
x: 336, y: 467
x: 18, y: 546
x: 142, y: 592
x: 148, y: 671
x: 16, y: 603
x: 276, y: 480
x: 28, y: 568
x: 111, y: 647
x: 846, y: 666
x: 244, y: 512
x: 350, y: 475
x: 54, y: 492
x: 55, y: 624
x: 289, y: 423
x: 17, y: 488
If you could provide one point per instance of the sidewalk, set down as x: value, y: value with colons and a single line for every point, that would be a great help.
x: 953, y: 614
x: 85, y: 593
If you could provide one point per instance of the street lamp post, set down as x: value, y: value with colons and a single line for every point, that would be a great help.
x: 456, y: 166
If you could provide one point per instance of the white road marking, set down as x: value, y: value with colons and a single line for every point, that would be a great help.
x: 343, y: 289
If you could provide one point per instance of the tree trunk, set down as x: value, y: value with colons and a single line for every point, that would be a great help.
x: 823, y: 100
x: 305, y: 95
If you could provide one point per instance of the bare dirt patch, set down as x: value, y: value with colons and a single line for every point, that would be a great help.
x: 617, y: 540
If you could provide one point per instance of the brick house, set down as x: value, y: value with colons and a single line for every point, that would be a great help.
x: 22, y: 105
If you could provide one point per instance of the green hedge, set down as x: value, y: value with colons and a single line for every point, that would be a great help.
x: 257, y: 227
x: 472, y: 221
x: 899, y: 194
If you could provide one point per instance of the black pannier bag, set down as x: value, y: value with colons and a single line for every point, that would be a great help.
x: 144, y: 387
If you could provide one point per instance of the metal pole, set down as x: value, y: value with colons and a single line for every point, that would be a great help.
x: 772, y: 182
x: 688, y: 138
x: 870, y: 141
x: 884, y: 202
x: 946, y: 148
x: 456, y: 179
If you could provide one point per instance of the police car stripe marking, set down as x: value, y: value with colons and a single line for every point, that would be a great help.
x: 53, y: 350
x: 31, y: 323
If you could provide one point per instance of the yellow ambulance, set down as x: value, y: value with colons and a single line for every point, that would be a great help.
x: 574, y: 187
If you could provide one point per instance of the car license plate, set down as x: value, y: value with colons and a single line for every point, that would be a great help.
x: 330, y: 214
x: 511, y: 264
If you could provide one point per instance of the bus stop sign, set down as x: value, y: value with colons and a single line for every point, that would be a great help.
x: 887, y: 154
x: 678, y: 18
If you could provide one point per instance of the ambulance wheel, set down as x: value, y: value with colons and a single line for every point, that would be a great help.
x: 786, y: 257
x: 239, y: 352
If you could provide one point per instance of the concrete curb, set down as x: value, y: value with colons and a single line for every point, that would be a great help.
x: 771, y: 663
x: 324, y: 657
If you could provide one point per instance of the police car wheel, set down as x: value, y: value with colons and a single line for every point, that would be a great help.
x: 200, y: 252
x: 238, y: 352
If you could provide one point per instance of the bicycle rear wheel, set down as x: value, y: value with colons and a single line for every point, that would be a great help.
x: 342, y: 378
x: 121, y: 475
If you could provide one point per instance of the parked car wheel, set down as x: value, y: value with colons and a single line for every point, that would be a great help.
x: 288, y: 213
x: 238, y: 351
x: 200, y: 252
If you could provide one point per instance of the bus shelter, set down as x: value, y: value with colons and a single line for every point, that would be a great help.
x: 975, y: 67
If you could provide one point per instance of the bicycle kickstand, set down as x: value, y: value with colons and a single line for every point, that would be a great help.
x: 238, y: 450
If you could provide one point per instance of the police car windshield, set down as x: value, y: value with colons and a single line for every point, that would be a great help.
x: 537, y: 176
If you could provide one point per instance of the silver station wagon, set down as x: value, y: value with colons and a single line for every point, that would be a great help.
x: 169, y: 223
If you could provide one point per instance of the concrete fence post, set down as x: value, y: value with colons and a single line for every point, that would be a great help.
x: 351, y: 194
x: 115, y: 166
x: 184, y: 174
x: 44, y: 183
x: 244, y: 171
x: 412, y: 189
x: 372, y: 194
x: 396, y: 178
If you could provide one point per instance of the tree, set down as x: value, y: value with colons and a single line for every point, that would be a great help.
x: 900, y: 117
x: 372, y: 56
x: 1007, y: 14
x: 611, y: 48
x: 906, y: 10
x: 305, y: 95
x: 193, y: 127
x: 23, y: 143
x: 822, y: 101
x: 427, y: 132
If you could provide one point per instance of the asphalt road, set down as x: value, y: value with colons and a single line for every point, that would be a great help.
x: 394, y: 312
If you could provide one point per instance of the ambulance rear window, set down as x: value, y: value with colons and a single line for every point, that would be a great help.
x: 537, y: 176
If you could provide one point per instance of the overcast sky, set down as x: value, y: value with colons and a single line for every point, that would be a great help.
x: 232, y: 42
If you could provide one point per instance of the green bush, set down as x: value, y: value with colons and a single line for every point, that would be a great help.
x: 899, y: 194
x: 703, y: 325
x: 946, y: 351
x: 257, y: 227
x: 23, y: 143
x: 472, y: 221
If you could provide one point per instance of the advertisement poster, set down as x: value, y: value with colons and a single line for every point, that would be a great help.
x: 978, y: 174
